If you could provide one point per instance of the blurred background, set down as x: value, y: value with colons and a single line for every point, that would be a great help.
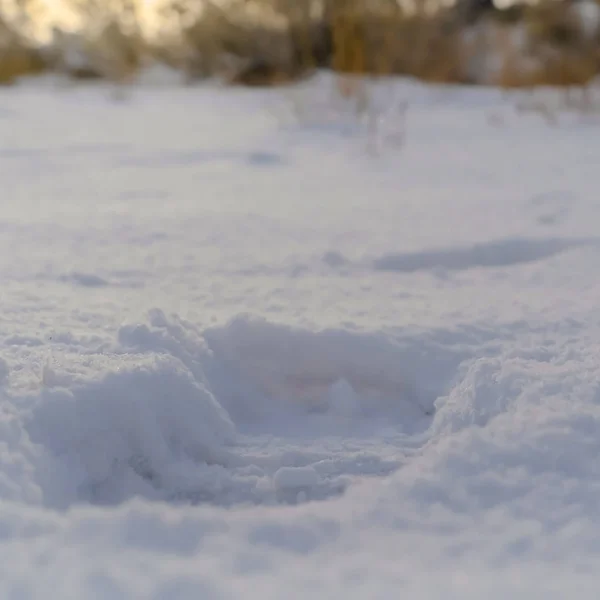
x: 273, y: 42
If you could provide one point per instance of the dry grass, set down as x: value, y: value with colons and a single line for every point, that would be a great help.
x: 109, y: 46
x: 547, y: 45
x: 381, y: 38
x: 240, y: 44
x: 271, y: 42
x: 17, y: 57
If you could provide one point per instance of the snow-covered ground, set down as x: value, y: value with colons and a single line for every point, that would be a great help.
x: 243, y: 355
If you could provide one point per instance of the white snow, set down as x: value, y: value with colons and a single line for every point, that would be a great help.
x: 242, y: 356
x: 296, y: 477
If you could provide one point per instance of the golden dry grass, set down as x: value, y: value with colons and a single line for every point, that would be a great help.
x: 272, y: 42
x: 17, y: 57
x: 382, y: 39
x: 557, y: 51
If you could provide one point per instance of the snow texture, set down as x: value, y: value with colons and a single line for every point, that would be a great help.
x: 241, y: 356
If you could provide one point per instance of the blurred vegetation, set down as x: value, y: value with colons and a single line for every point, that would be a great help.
x: 270, y: 42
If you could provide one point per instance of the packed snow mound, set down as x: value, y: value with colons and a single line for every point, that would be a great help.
x: 258, y: 412
x: 18, y: 459
x: 508, y: 442
x: 170, y: 335
x: 250, y: 412
x: 138, y: 429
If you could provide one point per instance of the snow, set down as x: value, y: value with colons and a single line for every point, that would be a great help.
x: 296, y: 477
x: 243, y: 355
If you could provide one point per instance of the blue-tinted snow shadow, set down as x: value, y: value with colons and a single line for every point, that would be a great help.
x: 132, y: 279
x: 87, y: 280
x: 187, y: 158
x: 501, y: 253
x: 123, y: 156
